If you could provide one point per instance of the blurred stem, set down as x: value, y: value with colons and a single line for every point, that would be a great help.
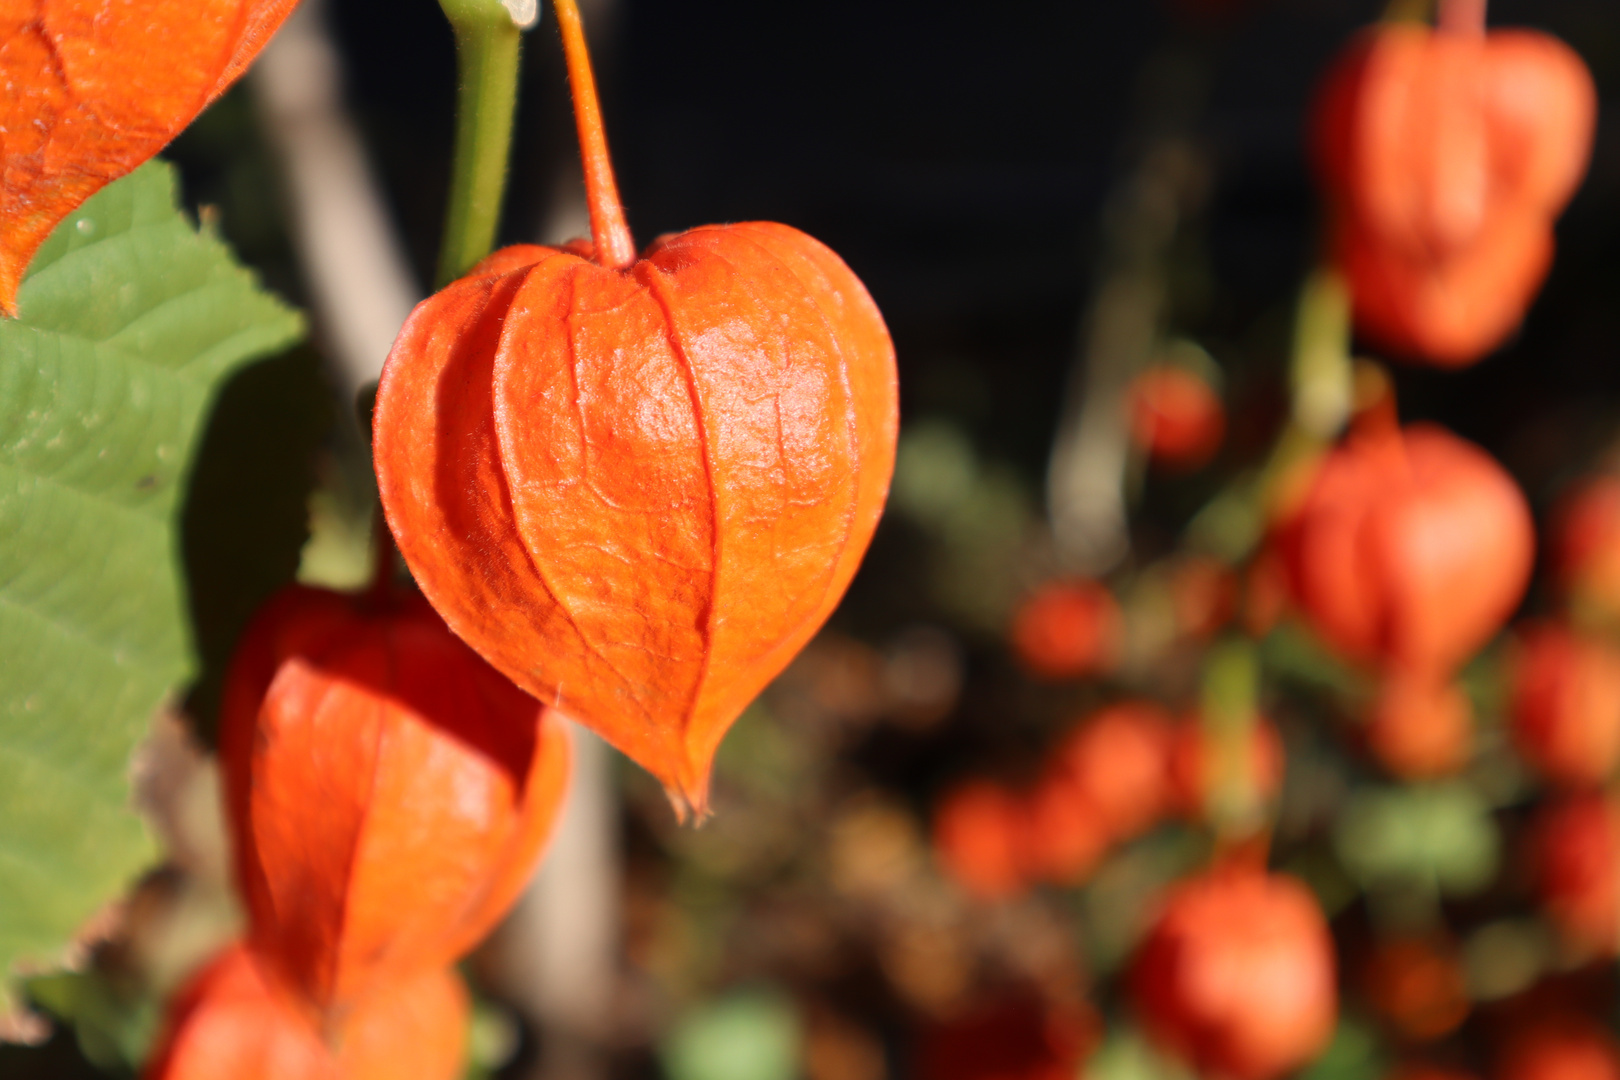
x: 1320, y: 376
x: 1321, y: 385
x: 1408, y: 11
x: 1321, y: 381
x: 1229, y: 713
x: 487, y: 54
x: 1462, y: 17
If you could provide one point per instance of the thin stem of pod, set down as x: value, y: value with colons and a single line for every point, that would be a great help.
x: 488, y: 41
x: 1229, y: 712
x: 1321, y: 385
x: 610, y: 233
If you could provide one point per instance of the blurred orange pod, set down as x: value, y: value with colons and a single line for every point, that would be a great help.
x: 1565, y: 1047
x: 388, y: 791
x: 979, y: 838
x: 1446, y: 155
x: 1585, y: 549
x: 1417, y: 985
x: 1117, y: 762
x: 1566, y: 703
x: 1176, y: 417
x: 1237, y: 975
x: 1067, y: 629
x: 1421, y: 725
x: 232, y: 1022
x: 1410, y: 550
x: 1575, y: 853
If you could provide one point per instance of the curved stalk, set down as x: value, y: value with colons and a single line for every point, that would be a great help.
x: 610, y: 233
x: 488, y: 42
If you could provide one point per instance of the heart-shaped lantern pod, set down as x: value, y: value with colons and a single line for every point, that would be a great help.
x: 389, y: 793
x: 1411, y: 548
x: 639, y: 486
x: 1446, y: 155
x: 1236, y: 976
x: 95, y: 88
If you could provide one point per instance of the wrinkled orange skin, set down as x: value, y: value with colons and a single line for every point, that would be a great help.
x: 1446, y: 156
x: 1193, y: 764
x: 1176, y: 417
x: 1565, y: 703
x: 232, y: 1022
x: 639, y: 492
x: 1574, y: 847
x: 979, y: 839
x: 94, y: 88
x: 1067, y: 629
x: 1237, y: 975
x: 1421, y: 726
x: 1411, y: 549
x: 1117, y: 761
x: 1585, y: 547
x: 389, y: 792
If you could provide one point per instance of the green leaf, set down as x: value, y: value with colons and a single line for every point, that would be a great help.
x: 130, y: 321
x: 1439, y: 834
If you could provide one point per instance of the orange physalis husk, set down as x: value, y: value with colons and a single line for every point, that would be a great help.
x: 1565, y: 703
x: 1573, y: 845
x: 639, y: 485
x: 389, y: 792
x: 1446, y: 156
x: 93, y: 89
x: 1585, y: 549
x: 1176, y: 417
x: 1118, y: 761
x: 1562, y: 1045
x: 979, y: 839
x: 1421, y: 725
x: 1066, y: 629
x: 1237, y: 975
x: 1417, y: 984
x: 1411, y: 550
x: 233, y: 1022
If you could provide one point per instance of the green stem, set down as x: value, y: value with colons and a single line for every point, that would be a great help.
x: 487, y: 52
x: 1229, y: 711
x: 1320, y: 373
x: 1321, y: 385
x: 1415, y: 11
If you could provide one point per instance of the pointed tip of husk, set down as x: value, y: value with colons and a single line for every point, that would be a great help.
x: 690, y: 801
